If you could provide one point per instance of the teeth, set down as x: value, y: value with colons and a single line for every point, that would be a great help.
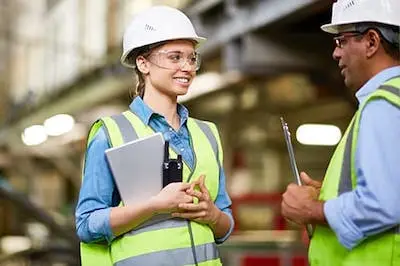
x: 184, y: 80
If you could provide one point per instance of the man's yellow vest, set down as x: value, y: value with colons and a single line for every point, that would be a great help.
x: 379, y: 250
x: 170, y: 242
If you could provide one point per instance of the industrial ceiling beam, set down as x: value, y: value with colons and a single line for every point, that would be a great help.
x: 201, y: 6
x: 256, y: 51
x: 248, y: 18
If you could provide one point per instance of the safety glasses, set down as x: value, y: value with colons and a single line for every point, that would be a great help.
x: 343, y: 38
x: 175, y: 60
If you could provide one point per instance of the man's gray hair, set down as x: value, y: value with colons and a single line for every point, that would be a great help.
x: 390, y: 33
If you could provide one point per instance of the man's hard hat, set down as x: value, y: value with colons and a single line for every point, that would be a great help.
x: 156, y: 24
x: 348, y: 12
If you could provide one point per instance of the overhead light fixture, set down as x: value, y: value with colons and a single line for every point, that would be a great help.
x: 59, y: 124
x: 34, y: 135
x: 318, y: 134
x: 13, y: 244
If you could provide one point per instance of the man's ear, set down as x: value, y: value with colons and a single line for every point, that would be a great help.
x: 373, y: 42
x: 141, y: 64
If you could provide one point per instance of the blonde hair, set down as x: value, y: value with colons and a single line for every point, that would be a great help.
x: 140, y: 84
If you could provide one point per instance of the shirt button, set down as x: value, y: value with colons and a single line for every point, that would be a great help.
x: 182, y: 149
x: 170, y: 129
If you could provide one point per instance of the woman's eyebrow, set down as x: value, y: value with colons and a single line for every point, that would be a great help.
x: 177, y: 51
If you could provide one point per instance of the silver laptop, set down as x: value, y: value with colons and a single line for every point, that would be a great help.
x: 137, y: 168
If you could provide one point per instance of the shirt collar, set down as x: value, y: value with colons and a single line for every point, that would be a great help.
x: 145, y: 113
x: 374, y: 83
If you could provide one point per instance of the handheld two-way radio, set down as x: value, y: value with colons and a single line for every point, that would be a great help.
x: 172, y: 168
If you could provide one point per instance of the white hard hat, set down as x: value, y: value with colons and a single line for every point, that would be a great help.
x: 157, y: 24
x: 348, y: 12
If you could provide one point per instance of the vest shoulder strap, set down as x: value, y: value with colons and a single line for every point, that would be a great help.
x: 394, y: 82
x: 206, y: 127
x: 118, y: 129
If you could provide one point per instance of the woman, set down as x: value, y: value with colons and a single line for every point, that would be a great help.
x: 160, y: 45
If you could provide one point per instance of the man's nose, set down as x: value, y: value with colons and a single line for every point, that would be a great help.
x: 336, y: 54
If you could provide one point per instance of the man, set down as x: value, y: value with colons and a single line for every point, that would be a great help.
x: 356, y: 210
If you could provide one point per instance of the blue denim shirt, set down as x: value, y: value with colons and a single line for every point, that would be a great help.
x: 373, y: 206
x: 99, y: 193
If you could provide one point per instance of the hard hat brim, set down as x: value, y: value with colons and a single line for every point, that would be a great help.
x: 330, y: 28
x: 199, y: 42
x: 336, y: 28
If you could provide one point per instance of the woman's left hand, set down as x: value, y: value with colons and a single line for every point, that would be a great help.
x: 204, y: 211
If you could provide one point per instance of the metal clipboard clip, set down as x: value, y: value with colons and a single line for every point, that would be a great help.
x: 293, y: 164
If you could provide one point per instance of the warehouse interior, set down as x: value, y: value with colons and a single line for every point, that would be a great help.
x: 263, y: 59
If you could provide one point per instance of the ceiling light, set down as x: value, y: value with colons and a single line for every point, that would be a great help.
x: 13, y: 244
x: 59, y: 124
x: 34, y: 135
x: 318, y: 134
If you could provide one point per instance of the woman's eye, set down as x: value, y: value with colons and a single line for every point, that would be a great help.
x: 175, y: 57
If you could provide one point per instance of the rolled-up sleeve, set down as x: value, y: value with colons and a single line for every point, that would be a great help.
x: 373, y: 206
x: 97, y: 194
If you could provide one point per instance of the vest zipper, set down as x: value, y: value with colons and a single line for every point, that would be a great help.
x: 189, y: 223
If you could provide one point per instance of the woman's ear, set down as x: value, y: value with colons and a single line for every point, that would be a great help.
x: 141, y: 64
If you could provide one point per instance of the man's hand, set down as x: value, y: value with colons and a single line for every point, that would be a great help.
x: 308, y: 181
x: 204, y: 211
x: 300, y: 204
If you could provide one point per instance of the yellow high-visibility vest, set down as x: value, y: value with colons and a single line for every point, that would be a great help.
x: 174, y: 241
x: 382, y: 249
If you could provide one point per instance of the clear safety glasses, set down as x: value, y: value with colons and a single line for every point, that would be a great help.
x: 175, y: 60
x: 342, y: 39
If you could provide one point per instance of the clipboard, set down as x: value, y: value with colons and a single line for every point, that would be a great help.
x: 293, y: 164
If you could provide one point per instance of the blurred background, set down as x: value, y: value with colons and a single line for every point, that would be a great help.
x: 60, y: 71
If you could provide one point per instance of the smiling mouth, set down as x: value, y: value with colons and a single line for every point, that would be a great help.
x: 183, y: 80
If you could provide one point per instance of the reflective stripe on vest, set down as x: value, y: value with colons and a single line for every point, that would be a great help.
x: 381, y: 249
x: 175, y: 257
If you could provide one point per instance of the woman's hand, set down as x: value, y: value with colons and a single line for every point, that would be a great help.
x: 168, y: 199
x: 204, y: 211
